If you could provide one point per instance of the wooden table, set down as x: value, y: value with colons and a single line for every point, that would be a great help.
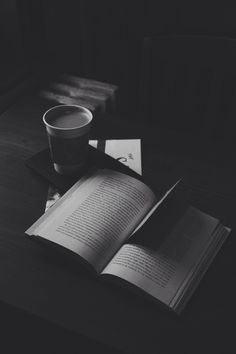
x: 49, y: 302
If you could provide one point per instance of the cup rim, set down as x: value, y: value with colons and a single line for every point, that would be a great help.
x: 68, y: 105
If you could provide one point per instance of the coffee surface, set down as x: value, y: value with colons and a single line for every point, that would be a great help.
x: 70, y: 119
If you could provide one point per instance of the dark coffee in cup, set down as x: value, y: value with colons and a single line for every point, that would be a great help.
x: 68, y: 129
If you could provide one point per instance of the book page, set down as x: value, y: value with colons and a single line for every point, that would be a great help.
x: 161, y: 270
x: 126, y: 151
x: 94, y: 218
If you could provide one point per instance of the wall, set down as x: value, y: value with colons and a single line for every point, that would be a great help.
x: 103, y: 39
x: 10, y: 39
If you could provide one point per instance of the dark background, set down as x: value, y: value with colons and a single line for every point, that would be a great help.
x: 103, y: 40
x: 100, y: 39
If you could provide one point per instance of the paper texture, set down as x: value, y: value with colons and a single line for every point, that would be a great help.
x: 161, y: 272
x: 93, y: 219
x: 127, y: 151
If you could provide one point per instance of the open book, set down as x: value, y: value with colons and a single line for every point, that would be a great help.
x: 126, y: 151
x: 122, y: 229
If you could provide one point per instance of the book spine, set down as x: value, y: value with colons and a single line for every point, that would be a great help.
x: 74, y: 91
x: 83, y: 82
x: 94, y: 96
x: 55, y: 97
x: 94, y: 85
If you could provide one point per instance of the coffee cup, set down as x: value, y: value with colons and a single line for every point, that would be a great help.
x: 68, y: 128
